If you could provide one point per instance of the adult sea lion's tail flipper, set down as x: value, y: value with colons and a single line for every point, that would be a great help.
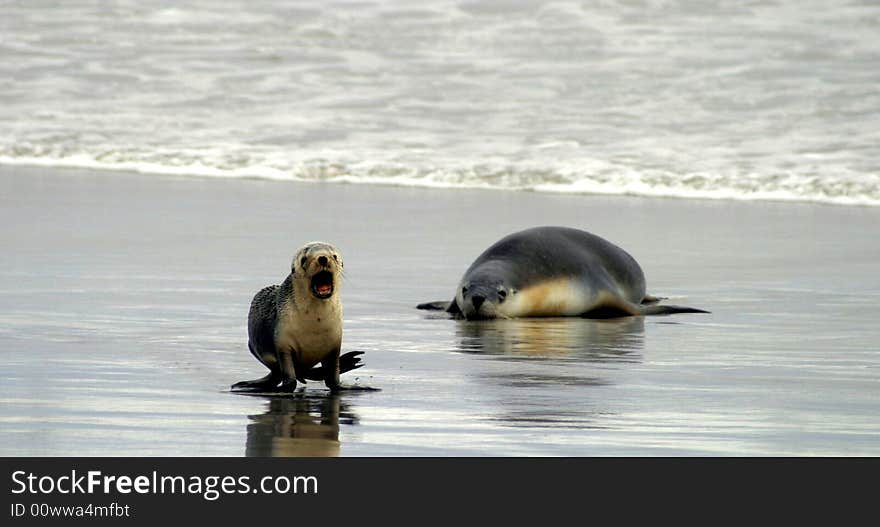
x: 657, y: 309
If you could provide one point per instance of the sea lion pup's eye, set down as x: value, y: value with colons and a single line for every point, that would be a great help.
x: 302, y: 261
x: 464, y: 290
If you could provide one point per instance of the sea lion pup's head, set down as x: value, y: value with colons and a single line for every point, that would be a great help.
x: 318, y: 266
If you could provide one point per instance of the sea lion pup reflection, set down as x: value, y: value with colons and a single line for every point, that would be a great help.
x: 296, y: 325
x: 553, y: 272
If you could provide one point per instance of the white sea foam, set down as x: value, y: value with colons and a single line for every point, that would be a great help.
x: 565, y: 180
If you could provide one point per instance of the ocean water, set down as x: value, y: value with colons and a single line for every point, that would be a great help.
x: 728, y: 99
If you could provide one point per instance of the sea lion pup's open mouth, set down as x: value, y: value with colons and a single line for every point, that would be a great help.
x: 322, y: 284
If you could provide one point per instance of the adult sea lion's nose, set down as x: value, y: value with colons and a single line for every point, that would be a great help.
x: 477, y: 301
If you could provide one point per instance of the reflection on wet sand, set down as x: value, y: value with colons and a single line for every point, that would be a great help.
x: 301, y: 425
x: 544, y: 370
x: 576, y: 338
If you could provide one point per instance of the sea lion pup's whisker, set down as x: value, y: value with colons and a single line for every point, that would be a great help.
x: 553, y: 271
x: 295, y: 328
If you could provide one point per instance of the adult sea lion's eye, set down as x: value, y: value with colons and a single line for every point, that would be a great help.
x: 502, y: 294
x: 302, y: 261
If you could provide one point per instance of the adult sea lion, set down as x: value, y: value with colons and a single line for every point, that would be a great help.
x: 550, y: 272
x: 296, y: 325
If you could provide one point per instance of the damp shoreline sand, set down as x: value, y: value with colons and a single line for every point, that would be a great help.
x: 125, y: 299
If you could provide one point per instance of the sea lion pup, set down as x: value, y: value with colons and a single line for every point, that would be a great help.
x: 553, y: 272
x: 298, y: 324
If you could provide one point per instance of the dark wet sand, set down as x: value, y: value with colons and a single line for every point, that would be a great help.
x: 124, y: 300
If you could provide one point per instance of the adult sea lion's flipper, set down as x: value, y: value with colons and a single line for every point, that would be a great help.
x: 439, y: 305
x: 657, y: 309
x: 449, y: 307
x: 651, y: 299
x: 617, y: 307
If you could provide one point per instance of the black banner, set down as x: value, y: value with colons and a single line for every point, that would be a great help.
x: 240, y: 491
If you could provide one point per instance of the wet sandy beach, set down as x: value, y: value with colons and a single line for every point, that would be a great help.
x: 124, y: 304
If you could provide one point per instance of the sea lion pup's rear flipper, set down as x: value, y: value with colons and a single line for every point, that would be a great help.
x: 347, y: 362
x: 449, y: 307
x: 656, y: 309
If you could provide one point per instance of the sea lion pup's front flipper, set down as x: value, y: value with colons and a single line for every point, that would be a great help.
x: 449, y: 307
x: 265, y: 384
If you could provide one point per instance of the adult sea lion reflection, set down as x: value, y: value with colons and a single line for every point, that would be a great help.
x: 550, y: 373
x: 610, y: 339
x: 298, y: 426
